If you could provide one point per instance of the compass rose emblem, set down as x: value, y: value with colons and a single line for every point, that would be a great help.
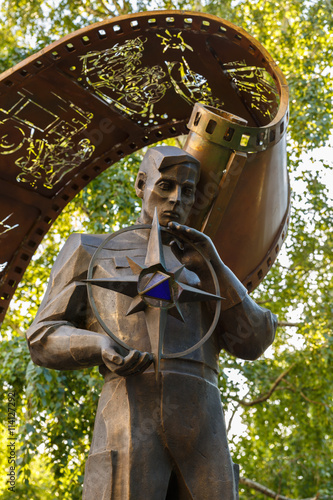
x: 154, y: 289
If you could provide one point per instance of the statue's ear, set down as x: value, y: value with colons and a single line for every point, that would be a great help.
x: 140, y: 184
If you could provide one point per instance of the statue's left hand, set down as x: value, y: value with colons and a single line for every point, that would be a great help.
x: 134, y: 363
x: 188, y: 255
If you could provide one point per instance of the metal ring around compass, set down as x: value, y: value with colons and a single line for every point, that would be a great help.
x: 107, y: 329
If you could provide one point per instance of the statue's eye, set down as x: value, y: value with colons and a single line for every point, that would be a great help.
x: 165, y: 185
x: 188, y: 191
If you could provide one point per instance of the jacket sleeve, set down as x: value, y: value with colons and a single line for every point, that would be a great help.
x: 246, y: 330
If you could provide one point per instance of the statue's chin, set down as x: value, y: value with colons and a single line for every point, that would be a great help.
x: 163, y: 219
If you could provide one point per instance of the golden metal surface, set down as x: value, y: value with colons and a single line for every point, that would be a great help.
x: 243, y: 193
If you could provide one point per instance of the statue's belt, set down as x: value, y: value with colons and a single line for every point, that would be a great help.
x: 176, y: 366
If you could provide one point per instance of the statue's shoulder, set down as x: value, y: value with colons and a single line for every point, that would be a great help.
x: 83, y: 241
x: 118, y: 241
x: 75, y: 255
x: 79, y: 248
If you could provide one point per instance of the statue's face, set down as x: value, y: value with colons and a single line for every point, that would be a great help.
x: 171, y: 191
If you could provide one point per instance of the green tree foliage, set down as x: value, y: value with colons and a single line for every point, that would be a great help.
x: 284, y: 399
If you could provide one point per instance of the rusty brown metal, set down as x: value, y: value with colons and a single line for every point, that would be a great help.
x: 78, y: 106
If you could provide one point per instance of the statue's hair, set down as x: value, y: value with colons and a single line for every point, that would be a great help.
x: 165, y: 156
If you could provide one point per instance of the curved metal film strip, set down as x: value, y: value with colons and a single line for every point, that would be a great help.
x: 75, y: 108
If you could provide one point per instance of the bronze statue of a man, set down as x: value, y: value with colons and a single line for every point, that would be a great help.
x: 157, y: 438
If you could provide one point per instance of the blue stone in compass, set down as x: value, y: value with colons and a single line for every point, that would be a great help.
x: 158, y: 287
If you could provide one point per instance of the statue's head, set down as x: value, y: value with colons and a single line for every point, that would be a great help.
x: 167, y: 180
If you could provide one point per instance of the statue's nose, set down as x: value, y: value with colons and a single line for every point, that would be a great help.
x: 175, y: 195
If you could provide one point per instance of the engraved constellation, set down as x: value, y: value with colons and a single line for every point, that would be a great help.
x: 174, y: 41
x: 50, y: 156
x: 191, y: 86
x: 117, y: 76
x: 5, y: 228
x: 257, y: 83
x: 3, y: 266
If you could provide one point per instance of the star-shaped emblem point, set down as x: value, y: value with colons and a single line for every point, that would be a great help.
x: 155, y: 289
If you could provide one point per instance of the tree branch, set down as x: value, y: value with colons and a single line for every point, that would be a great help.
x: 105, y: 11
x: 106, y: 8
x: 299, y: 391
x: 264, y: 301
x: 232, y: 417
x: 266, y: 491
x: 286, y: 323
x: 95, y: 12
x: 85, y: 210
x: 14, y: 327
x: 266, y: 396
x: 180, y: 140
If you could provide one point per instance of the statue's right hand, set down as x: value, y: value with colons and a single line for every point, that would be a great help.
x: 134, y: 363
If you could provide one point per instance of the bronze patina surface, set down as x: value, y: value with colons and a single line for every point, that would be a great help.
x: 152, y: 307
x: 76, y: 107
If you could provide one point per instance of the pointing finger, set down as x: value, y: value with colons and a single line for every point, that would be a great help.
x: 189, y: 232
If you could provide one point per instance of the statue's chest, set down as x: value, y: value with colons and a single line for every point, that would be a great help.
x: 115, y: 307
